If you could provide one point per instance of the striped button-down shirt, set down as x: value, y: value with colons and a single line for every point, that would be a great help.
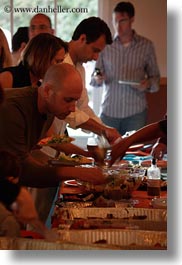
x: 134, y: 62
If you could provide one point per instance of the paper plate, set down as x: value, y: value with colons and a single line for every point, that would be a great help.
x: 72, y: 182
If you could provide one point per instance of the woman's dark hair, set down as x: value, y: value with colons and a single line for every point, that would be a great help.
x: 93, y: 28
x: 125, y: 7
x: 40, y: 51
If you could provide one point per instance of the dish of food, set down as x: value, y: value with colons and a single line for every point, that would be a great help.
x: 71, y: 160
x: 160, y: 203
x: 120, y: 183
x: 55, y: 139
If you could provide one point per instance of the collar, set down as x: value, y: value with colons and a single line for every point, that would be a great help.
x: 134, y: 39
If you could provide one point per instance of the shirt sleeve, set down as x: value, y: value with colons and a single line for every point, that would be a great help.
x: 83, y: 111
x: 152, y: 69
x: 12, y: 133
x: 35, y: 171
x: 99, y: 65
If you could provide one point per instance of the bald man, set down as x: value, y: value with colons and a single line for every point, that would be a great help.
x: 25, y: 116
x: 40, y: 23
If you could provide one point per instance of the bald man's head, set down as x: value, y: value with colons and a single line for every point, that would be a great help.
x: 40, y: 23
x: 60, y: 89
x: 59, y: 75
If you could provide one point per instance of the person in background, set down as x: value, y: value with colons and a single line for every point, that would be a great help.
x: 40, y: 23
x: 5, y: 54
x: 147, y: 133
x: 19, y: 41
x: 128, y: 70
x: 41, y: 52
x: 29, y: 112
x: 86, y: 44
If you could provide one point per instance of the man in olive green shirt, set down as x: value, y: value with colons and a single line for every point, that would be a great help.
x: 25, y: 116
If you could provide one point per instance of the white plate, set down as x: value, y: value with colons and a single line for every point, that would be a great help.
x: 132, y: 83
x: 72, y: 182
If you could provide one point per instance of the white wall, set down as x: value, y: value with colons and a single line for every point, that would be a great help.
x: 150, y: 21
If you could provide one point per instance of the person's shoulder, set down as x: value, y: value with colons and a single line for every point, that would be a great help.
x: 13, y: 94
x: 141, y: 38
x: 10, y: 73
x: 5, y: 69
x: 6, y: 74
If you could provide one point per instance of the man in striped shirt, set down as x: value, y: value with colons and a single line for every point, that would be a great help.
x: 128, y: 70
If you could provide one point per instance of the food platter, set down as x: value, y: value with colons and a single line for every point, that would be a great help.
x: 55, y: 140
x: 117, y: 237
x: 58, y: 162
x: 160, y: 203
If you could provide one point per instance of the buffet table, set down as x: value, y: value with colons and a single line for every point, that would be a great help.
x: 135, y: 223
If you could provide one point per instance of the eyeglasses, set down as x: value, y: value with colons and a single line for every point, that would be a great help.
x: 123, y: 21
x: 40, y: 27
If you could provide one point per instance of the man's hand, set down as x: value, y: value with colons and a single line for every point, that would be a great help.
x: 144, y: 85
x: 119, y: 149
x: 111, y: 134
x: 158, y: 150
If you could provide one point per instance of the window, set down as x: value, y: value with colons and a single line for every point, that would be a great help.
x: 65, y: 15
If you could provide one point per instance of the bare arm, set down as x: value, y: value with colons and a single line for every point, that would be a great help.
x: 147, y: 133
x: 6, y: 80
x: 69, y: 148
x: 110, y: 133
x: 37, y: 173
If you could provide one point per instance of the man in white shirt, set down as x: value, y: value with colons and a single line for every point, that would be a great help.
x: 88, y: 40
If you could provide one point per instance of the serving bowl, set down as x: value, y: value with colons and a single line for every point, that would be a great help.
x: 120, y: 183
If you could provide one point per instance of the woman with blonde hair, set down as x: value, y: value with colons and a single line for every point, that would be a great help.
x: 5, y: 54
x: 41, y: 52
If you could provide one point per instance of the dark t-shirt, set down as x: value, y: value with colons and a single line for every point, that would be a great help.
x: 21, y: 77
